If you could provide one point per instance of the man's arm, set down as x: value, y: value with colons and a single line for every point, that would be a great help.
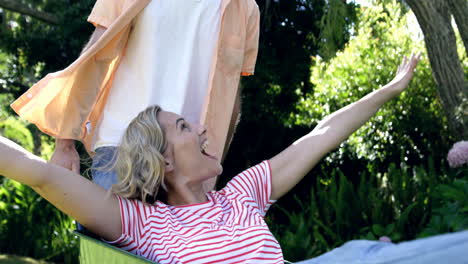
x: 235, y: 118
x: 65, y: 154
x: 291, y: 165
x: 249, y: 60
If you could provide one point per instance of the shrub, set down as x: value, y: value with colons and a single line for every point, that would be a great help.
x: 16, y: 130
x: 402, y: 203
x: 30, y: 225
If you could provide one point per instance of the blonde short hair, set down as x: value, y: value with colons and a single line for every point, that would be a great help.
x: 139, y: 162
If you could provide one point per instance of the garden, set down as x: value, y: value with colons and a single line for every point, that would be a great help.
x: 402, y: 176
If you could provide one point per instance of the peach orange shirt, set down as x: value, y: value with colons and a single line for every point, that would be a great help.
x: 65, y: 103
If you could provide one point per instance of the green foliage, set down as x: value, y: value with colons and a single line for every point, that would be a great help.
x: 335, y: 27
x: 16, y: 130
x: 9, y: 259
x: 22, y: 211
x: 34, y: 48
x: 17, y: 74
x: 29, y: 49
x: 405, y: 127
x: 55, y: 45
x: 450, y: 202
x: 402, y: 203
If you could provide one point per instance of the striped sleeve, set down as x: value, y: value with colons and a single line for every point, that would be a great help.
x: 133, y: 214
x: 255, y: 183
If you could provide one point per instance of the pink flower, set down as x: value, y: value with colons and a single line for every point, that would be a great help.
x: 385, y: 239
x: 458, y: 155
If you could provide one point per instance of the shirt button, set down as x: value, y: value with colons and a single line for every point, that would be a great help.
x: 88, y: 127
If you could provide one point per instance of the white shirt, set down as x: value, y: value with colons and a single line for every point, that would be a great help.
x: 167, y: 62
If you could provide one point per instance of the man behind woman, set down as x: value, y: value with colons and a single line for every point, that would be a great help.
x: 184, y: 55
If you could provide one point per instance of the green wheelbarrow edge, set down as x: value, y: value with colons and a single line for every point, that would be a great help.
x: 124, y: 256
x: 118, y: 255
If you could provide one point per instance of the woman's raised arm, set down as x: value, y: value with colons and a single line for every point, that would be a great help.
x: 291, y: 165
x: 72, y: 194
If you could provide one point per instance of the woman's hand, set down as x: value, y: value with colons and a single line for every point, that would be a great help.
x: 292, y: 164
x: 404, y: 74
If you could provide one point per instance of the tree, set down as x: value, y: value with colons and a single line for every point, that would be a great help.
x: 435, y: 17
x: 459, y: 9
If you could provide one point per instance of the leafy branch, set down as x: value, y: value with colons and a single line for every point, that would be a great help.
x: 17, y: 7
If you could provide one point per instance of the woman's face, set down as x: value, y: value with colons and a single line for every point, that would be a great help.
x: 186, y: 148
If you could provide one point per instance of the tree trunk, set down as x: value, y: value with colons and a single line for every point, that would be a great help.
x: 14, y: 6
x: 459, y: 10
x: 434, y: 17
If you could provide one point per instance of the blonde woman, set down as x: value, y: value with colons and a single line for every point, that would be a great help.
x: 159, y: 209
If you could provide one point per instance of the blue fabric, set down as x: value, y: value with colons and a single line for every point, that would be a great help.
x: 100, y: 171
x: 448, y: 248
x: 101, y: 174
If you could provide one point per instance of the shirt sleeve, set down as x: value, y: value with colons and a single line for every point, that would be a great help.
x: 105, y: 12
x: 251, y: 42
x: 255, y: 183
x: 133, y: 214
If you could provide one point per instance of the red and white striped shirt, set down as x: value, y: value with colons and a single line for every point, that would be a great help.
x: 228, y: 228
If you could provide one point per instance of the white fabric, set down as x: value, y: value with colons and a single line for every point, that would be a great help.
x: 167, y: 62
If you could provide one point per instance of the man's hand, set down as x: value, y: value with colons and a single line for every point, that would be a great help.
x: 65, y: 155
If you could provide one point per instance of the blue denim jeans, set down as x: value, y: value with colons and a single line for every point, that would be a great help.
x: 101, y: 173
x: 448, y: 248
